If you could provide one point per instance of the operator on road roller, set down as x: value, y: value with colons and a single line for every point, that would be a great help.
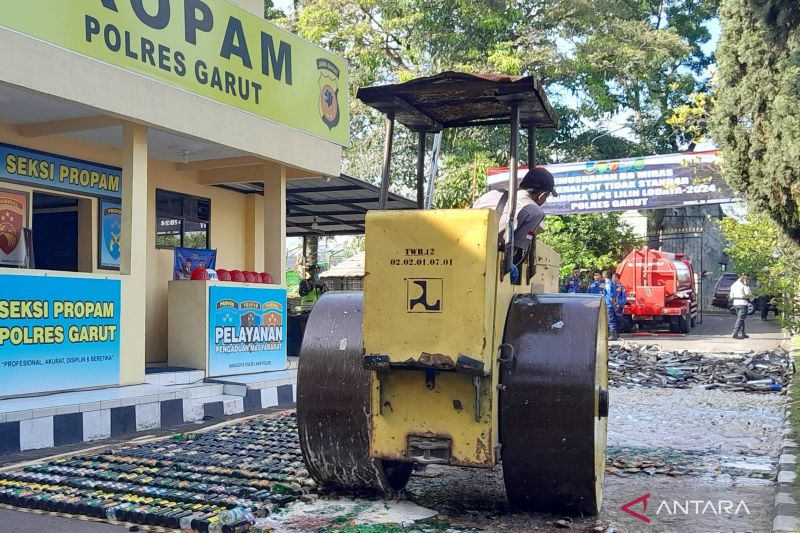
x: 534, y: 190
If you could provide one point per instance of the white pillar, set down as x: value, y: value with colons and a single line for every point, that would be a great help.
x: 275, y: 225
x: 133, y: 253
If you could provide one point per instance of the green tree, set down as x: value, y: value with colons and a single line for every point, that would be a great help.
x: 755, y: 119
x: 609, y: 56
x: 751, y: 244
x: 595, y: 242
x: 643, y: 58
x: 758, y: 246
x: 603, y: 57
x: 692, y: 119
x: 271, y: 12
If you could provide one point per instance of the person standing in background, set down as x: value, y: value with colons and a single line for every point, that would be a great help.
x: 595, y: 286
x: 609, y: 292
x: 739, y: 295
x: 574, y: 283
x: 622, y: 299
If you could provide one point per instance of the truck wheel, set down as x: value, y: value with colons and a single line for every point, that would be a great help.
x: 627, y: 324
x: 673, y: 325
x: 693, y: 321
x: 683, y: 324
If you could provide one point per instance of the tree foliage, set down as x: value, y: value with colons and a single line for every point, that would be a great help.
x: 638, y: 59
x: 756, y: 119
x: 692, y: 119
x: 593, y: 242
x: 271, y: 12
x: 751, y: 244
x: 758, y: 246
x: 596, y: 57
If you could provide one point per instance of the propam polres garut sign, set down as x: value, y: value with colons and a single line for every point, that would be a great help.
x: 208, y: 47
x: 58, y: 333
x: 246, y: 329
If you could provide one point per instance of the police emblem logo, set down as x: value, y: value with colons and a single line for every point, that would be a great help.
x: 329, y: 92
x: 12, y: 216
x: 112, y: 230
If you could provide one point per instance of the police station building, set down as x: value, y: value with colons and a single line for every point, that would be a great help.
x: 124, y: 127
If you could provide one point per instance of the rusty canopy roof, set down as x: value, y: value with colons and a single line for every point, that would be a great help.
x: 459, y: 100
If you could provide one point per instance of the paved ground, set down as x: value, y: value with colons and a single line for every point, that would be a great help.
x: 728, y: 441
x: 20, y: 522
x: 726, y: 444
x: 714, y: 335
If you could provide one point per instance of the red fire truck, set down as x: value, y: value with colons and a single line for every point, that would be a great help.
x: 661, y: 290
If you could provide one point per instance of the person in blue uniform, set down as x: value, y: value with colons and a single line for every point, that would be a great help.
x: 574, y: 283
x: 622, y: 298
x: 609, y: 292
x: 596, y: 285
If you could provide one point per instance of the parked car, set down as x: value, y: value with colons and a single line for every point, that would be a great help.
x: 722, y: 292
x: 723, y: 289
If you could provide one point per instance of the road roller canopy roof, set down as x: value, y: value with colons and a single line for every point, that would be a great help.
x: 460, y: 100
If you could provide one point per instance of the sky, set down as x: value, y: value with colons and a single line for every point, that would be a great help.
x: 284, y: 5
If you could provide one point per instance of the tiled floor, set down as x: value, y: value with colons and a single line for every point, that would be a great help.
x: 248, y: 379
x: 160, y: 387
x: 87, y: 397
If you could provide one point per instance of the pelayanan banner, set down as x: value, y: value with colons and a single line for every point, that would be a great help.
x: 246, y: 330
x: 207, y: 47
x: 58, y: 333
x: 40, y: 169
x: 655, y: 182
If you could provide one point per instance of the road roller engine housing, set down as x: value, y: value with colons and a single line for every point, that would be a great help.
x: 443, y: 360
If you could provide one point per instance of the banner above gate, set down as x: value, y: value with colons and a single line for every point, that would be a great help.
x: 654, y: 182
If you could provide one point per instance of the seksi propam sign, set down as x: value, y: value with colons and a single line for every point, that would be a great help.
x: 58, y: 333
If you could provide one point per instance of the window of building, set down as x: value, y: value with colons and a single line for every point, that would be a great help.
x: 182, y: 220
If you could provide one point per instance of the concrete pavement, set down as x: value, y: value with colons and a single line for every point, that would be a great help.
x: 714, y: 335
x: 21, y: 522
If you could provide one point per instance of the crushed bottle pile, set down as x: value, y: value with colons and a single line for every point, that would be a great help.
x: 219, y: 481
x: 650, y: 366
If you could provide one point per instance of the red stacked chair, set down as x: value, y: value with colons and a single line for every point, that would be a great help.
x: 200, y: 274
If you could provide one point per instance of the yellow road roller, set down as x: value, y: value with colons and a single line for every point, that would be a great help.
x: 443, y: 359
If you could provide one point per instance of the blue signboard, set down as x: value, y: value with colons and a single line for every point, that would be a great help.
x: 58, y: 333
x: 110, y: 232
x: 246, y: 330
x: 653, y: 182
x: 40, y: 169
